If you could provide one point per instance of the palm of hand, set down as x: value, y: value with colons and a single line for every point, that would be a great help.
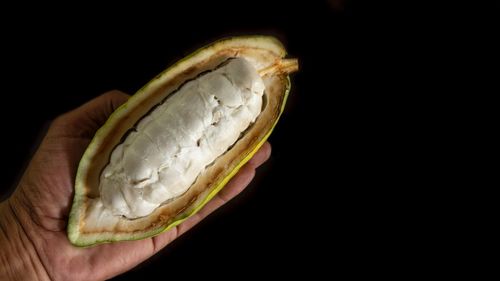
x: 43, y: 200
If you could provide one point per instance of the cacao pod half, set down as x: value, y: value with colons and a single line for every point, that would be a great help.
x: 217, y: 105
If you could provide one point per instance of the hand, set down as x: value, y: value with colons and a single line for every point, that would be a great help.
x: 33, y: 239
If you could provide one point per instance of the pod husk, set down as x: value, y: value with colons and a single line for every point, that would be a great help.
x: 266, y: 53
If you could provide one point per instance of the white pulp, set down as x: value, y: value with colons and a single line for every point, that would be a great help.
x: 176, y: 142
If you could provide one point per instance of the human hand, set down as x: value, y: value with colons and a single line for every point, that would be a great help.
x: 33, y: 240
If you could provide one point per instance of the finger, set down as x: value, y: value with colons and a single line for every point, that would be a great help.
x: 235, y: 186
x: 86, y: 119
x: 261, y: 156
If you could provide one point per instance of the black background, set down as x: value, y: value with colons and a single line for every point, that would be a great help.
x: 310, y: 201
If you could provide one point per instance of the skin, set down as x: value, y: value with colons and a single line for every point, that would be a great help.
x: 33, y: 220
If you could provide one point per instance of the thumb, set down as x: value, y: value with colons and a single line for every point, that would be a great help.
x: 86, y: 119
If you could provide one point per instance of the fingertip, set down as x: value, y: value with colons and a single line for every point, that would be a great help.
x: 267, y: 150
x: 238, y: 183
x: 261, y: 156
x: 117, y: 94
x: 116, y: 98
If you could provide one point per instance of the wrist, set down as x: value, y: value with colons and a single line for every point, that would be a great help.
x: 18, y: 257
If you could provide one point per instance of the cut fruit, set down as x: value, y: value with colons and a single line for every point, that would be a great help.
x: 137, y: 203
